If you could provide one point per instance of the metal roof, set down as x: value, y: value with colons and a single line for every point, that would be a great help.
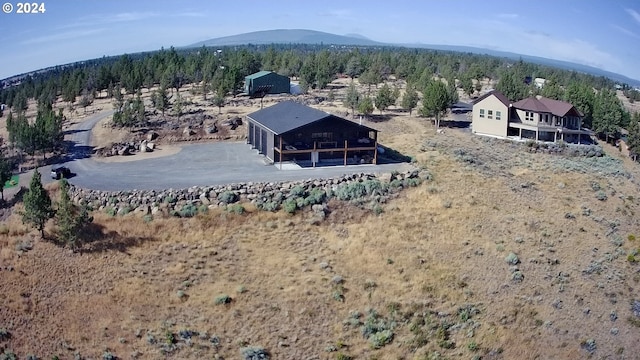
x: 289, y: 115
x: 258, y: 74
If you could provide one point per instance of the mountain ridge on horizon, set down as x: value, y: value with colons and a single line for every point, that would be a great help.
x: 306, y: 36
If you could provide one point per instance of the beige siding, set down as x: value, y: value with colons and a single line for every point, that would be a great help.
x: 491, y: 126
x: 521, y: 114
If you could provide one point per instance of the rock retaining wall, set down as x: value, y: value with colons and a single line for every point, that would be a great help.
x: 268, y: 196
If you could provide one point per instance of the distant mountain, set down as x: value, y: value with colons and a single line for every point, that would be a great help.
x: 288, y: 36
x: 357, y: 36
x: 561, y: 64
x: 301, y: 36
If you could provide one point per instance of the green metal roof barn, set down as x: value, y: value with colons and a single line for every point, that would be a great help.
x: 266, y: 82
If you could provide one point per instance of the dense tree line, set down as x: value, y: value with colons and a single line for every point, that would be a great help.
x: 224, y: 70
x: 219, y: 72
x: 44, y: 134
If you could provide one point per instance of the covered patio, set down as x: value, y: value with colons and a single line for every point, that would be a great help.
x: 293, y: 132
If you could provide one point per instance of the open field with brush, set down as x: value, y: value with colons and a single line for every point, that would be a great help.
x: 505, y: 254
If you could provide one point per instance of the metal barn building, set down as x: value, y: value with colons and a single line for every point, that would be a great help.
x: 290, y: 131
x: 266, y: 82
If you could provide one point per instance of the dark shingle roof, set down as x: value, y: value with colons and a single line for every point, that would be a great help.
x: 503, y: 99
x: 289, y: 115
x: 545, y: 105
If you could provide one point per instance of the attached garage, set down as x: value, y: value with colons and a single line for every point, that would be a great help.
x: 290, y: 131
x: 266, y: 82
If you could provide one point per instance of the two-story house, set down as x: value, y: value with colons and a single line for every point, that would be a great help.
x: 536, y: 118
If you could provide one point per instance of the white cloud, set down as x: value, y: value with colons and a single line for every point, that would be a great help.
x: 625, y: 31
x: 574, y: 50
x: 130, y: 16
x: 508, y: 16
x: 67, y: 35
x: 634, y: 14
x: 101, y: 19
x: 511, y: 37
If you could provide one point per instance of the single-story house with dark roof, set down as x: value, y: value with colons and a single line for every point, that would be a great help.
x: 291, y: 131
x: 536, y: 118
x: 266, y: 82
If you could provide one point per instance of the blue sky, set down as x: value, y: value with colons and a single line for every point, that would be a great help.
x: 605, y: 34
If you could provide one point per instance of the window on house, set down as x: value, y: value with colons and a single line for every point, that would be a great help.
x: 558, y: 121
x: 481, y: 113
x: 528, y: 116
x: 498, y: 115
x: 490, y: 114
x: 323, y: 136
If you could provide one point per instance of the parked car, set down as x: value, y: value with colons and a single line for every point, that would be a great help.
x: 61, y: 172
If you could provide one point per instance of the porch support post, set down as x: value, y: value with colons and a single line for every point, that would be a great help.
x: 314, y: 151
x: 345, y: 152
x: 555, y: 136
x: 520, y: 134
x: 375, y: 148
x: 536, y: 134
x: 280, y: 152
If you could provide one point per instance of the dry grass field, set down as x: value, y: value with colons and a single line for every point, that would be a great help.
x: 432, y: 266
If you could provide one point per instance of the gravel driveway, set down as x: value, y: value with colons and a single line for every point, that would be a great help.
x: 195, y: 165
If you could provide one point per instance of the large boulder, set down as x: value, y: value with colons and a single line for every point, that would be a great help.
x: 124, y: 150
x: 188, y: 131
x: 143, y: 146
x: 211, y: 129
x: 152, y: 136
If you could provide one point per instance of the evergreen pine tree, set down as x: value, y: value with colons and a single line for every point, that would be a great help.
x: 633, y: 139
x: 352, y: 98
x: 37, y: 204
x: 5, y: 172
x: 70, y: 218
x: 410, y: 99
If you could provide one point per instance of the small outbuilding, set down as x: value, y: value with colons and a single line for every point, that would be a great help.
x: 266, y: 82
x: 291, y: 131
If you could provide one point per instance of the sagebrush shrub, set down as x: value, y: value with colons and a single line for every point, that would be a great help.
x: 188, y: 210
x: 254, y: 353
x: 289, y: 206
x: 236, y: 209
x: 223, y: 299
x: 228, y: 197
x: 297, y: 190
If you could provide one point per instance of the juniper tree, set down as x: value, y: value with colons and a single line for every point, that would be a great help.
x: 410, y: 99
x: 5, y: 172
x: 352, y: 98
x: 365, y: 106
x: 436, y: 99
x: 384, y: 98
x: 70, y: 218
x: 633, y: 139
x: 37, y: 204
x: 218, y: 100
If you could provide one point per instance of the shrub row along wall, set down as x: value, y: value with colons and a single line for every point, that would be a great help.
x: 266, y: 196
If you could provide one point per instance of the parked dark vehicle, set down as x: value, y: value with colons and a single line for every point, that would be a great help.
x: 60, y: 173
